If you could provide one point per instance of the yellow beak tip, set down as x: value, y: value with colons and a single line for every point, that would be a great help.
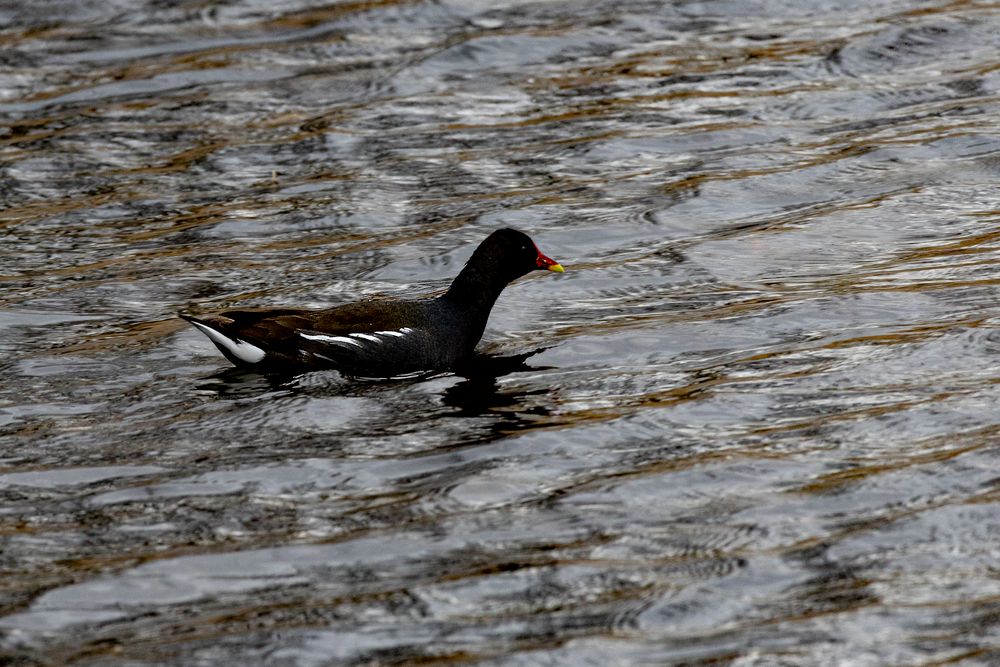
x: 558, y: 268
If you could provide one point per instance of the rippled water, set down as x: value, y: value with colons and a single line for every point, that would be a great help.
x: 763, y: 427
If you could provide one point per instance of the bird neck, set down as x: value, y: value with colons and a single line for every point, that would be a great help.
x: 477, y: 287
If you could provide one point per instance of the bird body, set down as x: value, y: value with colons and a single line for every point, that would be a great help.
x: 380, y: 337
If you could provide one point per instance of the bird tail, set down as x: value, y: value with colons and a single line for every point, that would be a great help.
x: 235, y: 349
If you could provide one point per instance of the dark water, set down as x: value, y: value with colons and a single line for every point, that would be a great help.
x: 764, y: 429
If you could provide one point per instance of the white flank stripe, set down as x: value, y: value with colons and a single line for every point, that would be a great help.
x: 374, y: 339
x: 331, y: 339
x: 238, y: 348
x: 397, y: 334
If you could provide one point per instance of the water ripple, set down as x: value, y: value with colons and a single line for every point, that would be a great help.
x: 752, y: 422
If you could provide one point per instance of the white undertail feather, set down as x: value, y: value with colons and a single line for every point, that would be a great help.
x: 240, y: 349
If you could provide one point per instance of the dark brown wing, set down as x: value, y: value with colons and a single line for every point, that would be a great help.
x: 259, y: 326
x: 349, y: 336
x: 275, y: 324
x: 367, y: 316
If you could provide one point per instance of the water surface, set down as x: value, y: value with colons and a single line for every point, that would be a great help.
x: 762, y: 425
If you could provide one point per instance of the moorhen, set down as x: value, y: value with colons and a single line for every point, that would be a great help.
x: 380, y: 338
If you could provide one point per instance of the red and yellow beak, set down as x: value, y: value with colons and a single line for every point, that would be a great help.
x: 548, y: 263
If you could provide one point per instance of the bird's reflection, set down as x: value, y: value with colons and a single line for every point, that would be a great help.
x: 236, y: 383
x: 477, y: 393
